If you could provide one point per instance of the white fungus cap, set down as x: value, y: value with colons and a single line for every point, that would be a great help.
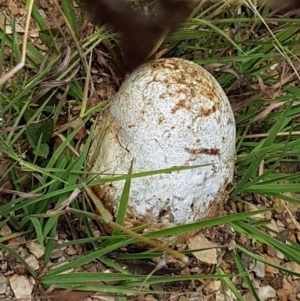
x: 169, y: 112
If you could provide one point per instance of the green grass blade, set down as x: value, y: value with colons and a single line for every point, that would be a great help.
x: 70, y: 14
x: 88, y: 258
x: 19, y: 258
x: 123, y: 201
x: 245, y: 277
x: 230, y: 285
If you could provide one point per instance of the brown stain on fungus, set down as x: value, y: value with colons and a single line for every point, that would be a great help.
x: 166, y: 213
x: 160, y: 119
x: 159, y: 65
x: 187, y: 80
x: 207, y: 112
x: 103, y: 192
x: 182, y: 104
x: 203, y: 151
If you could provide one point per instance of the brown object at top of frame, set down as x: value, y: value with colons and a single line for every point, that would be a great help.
x: 140, y: 33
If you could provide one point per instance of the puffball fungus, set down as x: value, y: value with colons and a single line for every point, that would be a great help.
x: 169, y: 112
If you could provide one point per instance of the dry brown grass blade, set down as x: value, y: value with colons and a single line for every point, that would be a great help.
x: 25, y: 195
x: 263, y: 135
x: 108, y: 220
x: 17, y: 68
x: 282, y: 4
x: 262, y: 115
x: 261, y: 93
x: 67, y: 295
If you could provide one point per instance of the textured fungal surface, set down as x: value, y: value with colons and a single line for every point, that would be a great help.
x: 169, y: 112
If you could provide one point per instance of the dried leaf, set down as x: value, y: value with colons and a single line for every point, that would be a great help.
x: 67, y: 295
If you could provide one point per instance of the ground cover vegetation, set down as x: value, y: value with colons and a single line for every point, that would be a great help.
x: 47, y: 117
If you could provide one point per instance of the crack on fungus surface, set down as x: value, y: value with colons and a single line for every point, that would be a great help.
x: 203, y: 151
